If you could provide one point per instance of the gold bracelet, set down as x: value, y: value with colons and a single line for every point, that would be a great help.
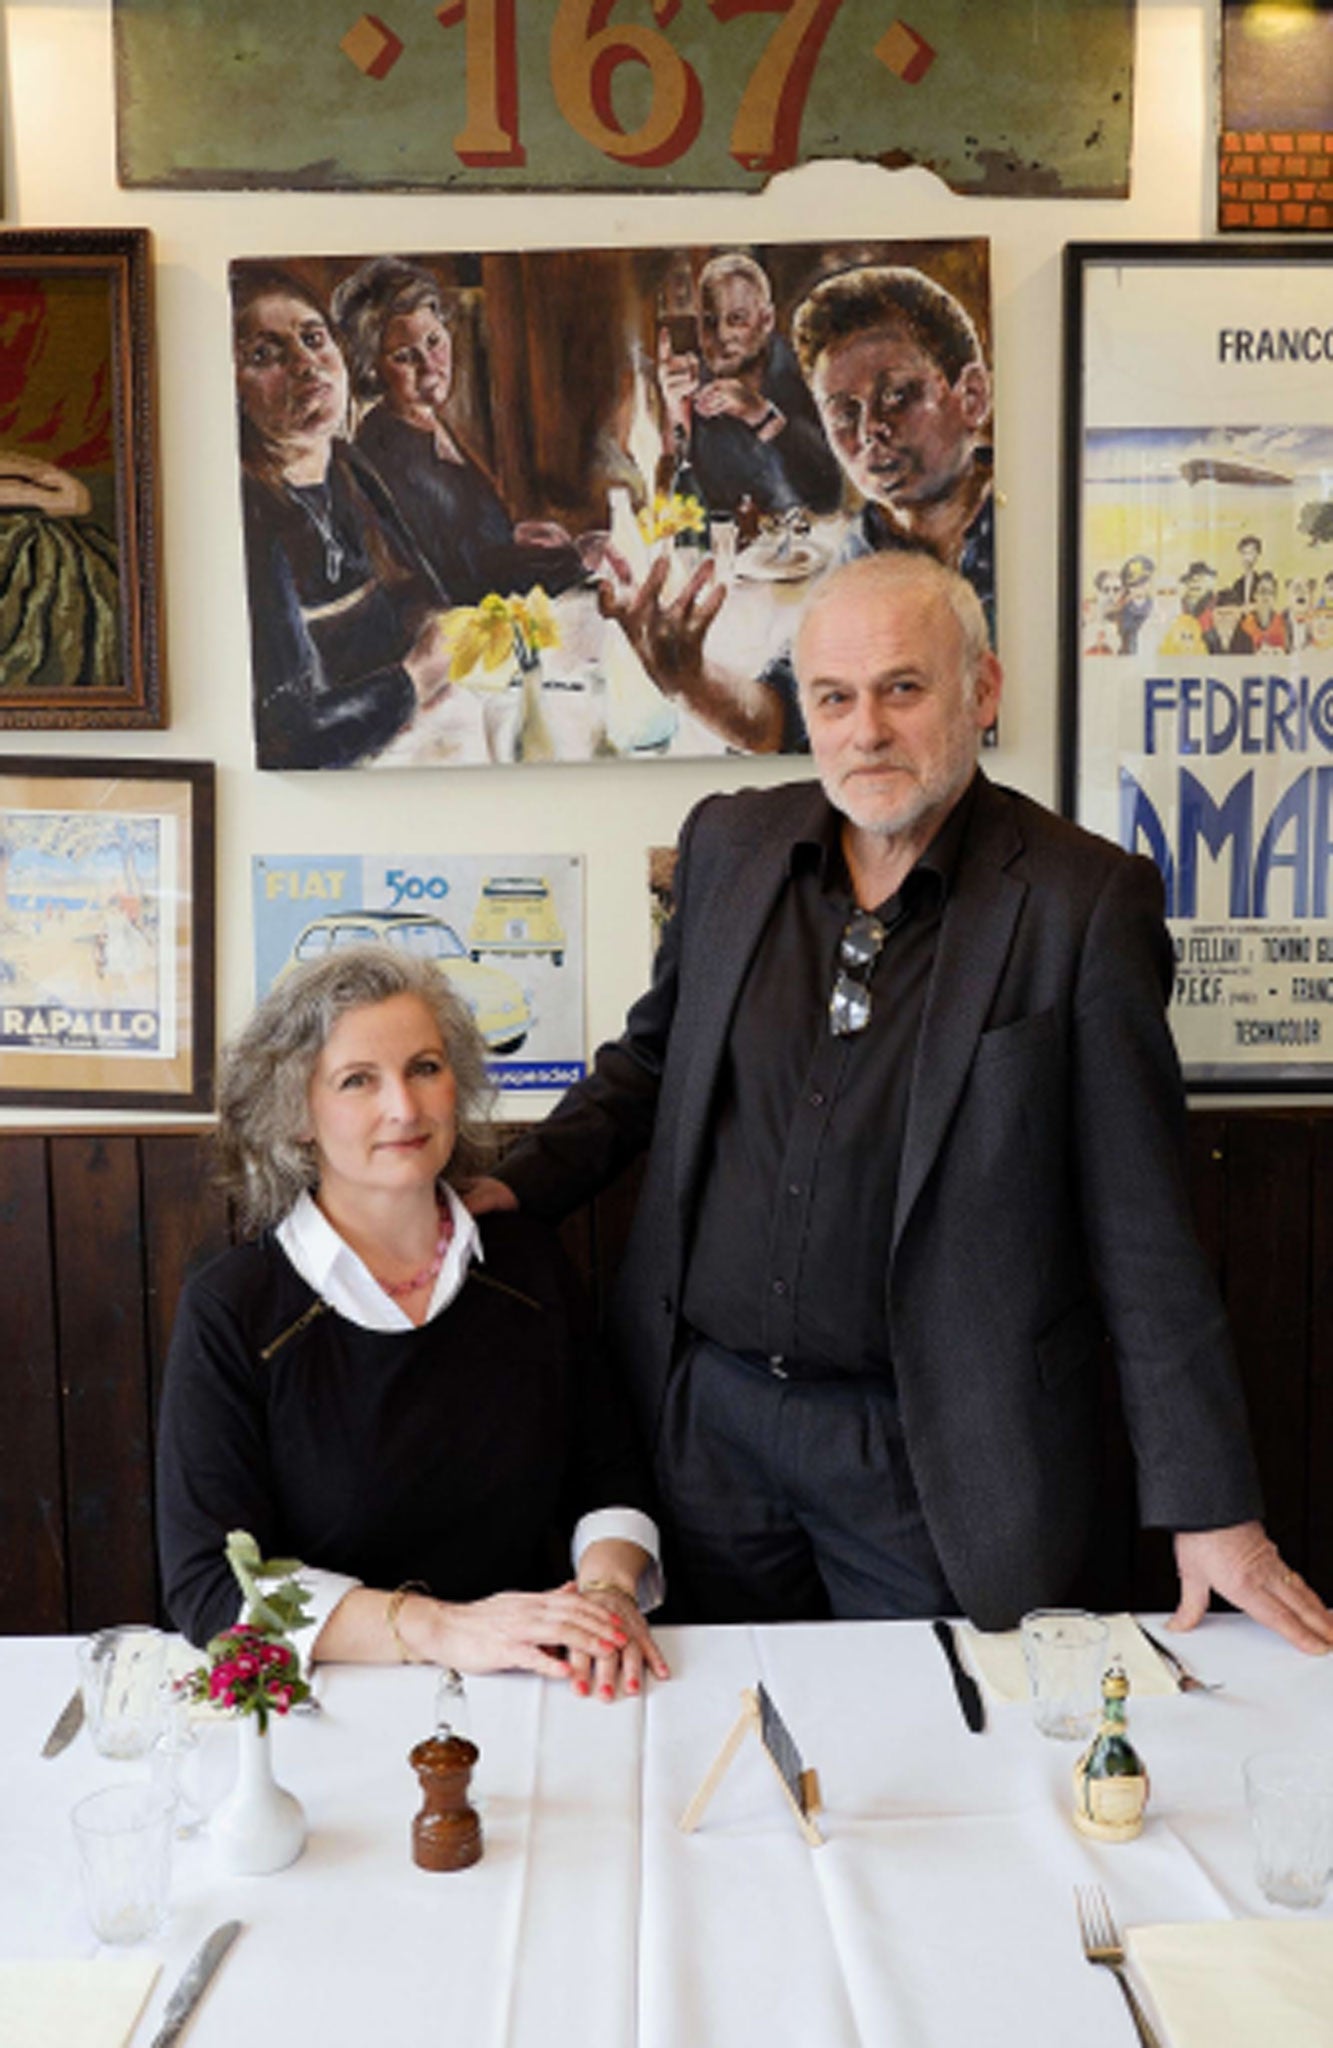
x: 604, y: 1586
x: 392, y: 1608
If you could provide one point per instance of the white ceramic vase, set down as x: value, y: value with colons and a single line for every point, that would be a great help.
x: 259, y: 1827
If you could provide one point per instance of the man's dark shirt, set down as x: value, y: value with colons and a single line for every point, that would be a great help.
x: 795, y: 467
x: 795, y: 1212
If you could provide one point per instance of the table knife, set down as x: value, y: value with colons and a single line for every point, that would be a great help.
x: 192, y: 1986
x: 966, y: 1687
x: 67, y: 1725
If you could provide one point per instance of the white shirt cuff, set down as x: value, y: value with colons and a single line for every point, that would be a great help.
x: 324, y: 1590
x: 625, y: 1525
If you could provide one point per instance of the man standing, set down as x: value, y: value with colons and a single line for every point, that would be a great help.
x: 913, y: 1115
x: 897, y: 373
x: 741, y: 404
x: 1242, y: 592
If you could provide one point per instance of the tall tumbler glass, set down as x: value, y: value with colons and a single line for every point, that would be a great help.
x: 124, y: 1841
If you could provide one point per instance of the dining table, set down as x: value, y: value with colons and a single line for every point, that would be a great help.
x: 938, y: 1911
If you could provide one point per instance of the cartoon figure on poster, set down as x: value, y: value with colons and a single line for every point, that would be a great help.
x: 558, y: 505
x: 505, y: 930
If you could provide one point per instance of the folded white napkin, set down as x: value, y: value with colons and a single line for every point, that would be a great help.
x: 998, y: 1659
x: 1232, y: 1983
x: 75, y: 2004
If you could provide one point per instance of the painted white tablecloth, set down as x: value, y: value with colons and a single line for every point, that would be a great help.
x: 939, y: 1911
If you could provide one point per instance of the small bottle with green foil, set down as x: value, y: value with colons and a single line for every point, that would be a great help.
x: 1110, y: 1783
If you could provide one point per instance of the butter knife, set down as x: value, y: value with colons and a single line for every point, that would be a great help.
x: 192, y: 1986
x: 964, y: 1684
x: 67, y: 1725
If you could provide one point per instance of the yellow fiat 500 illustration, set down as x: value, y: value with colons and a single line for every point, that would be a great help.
x: 516, y: 914
x: 500, y: 1010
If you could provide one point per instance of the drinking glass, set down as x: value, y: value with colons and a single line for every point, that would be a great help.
x: 124, y: 1842
x: 176, y: 1763
x: 120, y: 1670
x: 1290, y: 1798
x: 1065, y: 1652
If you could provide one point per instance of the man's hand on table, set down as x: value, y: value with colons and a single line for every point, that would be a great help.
x: 1243, y: 1564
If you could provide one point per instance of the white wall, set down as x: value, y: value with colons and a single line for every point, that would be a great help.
x: 59, y: 171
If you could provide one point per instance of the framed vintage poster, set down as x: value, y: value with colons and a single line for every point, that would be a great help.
x: 1197, y: 626
x: 505, y: 507
x: 106, y: 933
x: 78, y: 544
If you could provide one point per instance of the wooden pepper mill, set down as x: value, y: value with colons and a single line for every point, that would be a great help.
x: 446, y: 1834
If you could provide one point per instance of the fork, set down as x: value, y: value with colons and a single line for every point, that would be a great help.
x: 1102, y: 1944
x: 1185, y: 1678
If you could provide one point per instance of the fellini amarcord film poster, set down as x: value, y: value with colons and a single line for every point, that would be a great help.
x: 505, y: 931
x: 1205, y: 673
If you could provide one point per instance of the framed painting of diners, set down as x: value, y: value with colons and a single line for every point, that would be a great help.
x: 79, y: 642
x: 505, y: 507
x: 106, y: 933
x: 1197, y: 626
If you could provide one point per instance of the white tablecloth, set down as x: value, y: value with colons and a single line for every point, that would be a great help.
x: 940, y: 1909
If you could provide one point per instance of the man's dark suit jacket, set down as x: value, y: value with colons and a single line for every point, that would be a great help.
x: 1041, y: 1199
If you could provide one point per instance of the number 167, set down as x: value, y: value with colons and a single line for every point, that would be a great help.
x: 587, y: 50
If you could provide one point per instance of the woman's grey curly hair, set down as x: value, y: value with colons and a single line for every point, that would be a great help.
x: 264, y: 1163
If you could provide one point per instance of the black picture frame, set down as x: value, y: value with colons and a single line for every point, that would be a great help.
x: 1197, y: 707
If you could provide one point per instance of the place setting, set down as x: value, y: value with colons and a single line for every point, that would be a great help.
x: 1207, y: 1984
x: 153, y: 1704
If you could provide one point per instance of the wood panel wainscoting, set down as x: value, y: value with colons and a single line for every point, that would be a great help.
x: 97, y: 1231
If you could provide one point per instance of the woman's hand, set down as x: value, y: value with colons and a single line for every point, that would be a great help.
x: 607, y: 1673
x: 515, y: 1631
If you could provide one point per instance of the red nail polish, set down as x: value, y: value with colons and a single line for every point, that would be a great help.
x: 581, y: 1688
x: 607, y: 1692
x: 631, y: 1685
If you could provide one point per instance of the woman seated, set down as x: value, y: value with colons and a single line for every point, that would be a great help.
x: 346, y: 642
x: 419, y: 1416
x: 399, y: 351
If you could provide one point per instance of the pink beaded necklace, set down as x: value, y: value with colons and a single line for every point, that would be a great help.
x: 426, y: 1275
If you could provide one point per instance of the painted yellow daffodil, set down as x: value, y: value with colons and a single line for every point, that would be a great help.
x: 499, y: 631
x: 670, y: 514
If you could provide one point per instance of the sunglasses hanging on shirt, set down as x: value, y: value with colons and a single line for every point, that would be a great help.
x: 858, y: 949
